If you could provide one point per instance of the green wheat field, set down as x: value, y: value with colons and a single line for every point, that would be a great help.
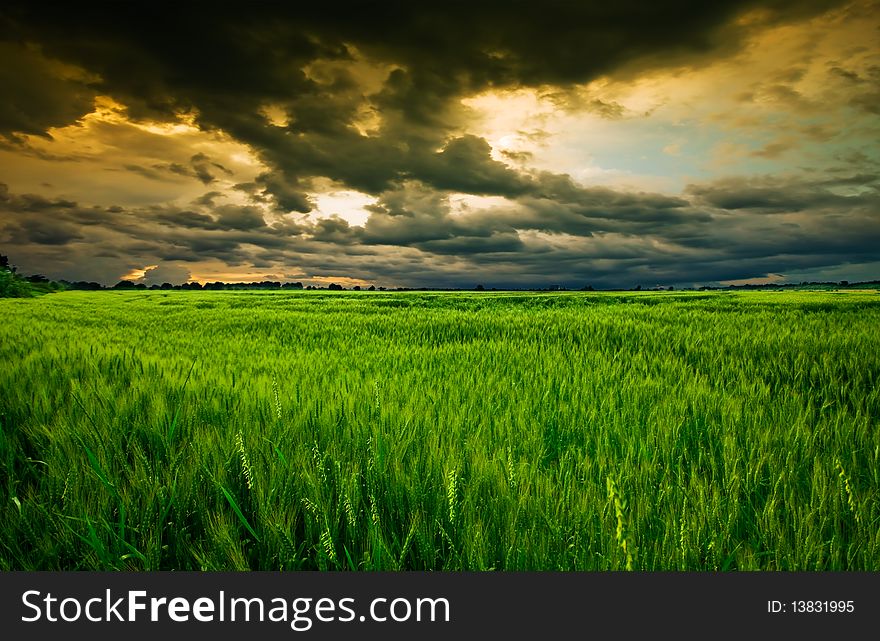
x: 440, y: 431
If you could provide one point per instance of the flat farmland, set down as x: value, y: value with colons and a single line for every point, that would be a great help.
x: 323, y: 430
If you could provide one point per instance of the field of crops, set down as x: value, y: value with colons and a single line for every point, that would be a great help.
x: 374, y: 430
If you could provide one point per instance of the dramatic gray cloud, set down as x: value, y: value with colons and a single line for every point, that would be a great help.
x: 40, y: 92
x: 165, y: 273
x: 225, y: 127
x: 414, y: 235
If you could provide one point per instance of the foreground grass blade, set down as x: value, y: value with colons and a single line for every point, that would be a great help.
x: 238, y: 511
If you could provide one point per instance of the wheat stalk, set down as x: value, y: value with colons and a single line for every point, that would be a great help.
x: 850, y: 498
x: 619, y: 504
x: 245, y: 462
x: 277, y: 397
x: 452, y: 493
x: 327, y: 544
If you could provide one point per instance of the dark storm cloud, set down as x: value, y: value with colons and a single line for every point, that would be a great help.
x: 166, y: 273
x: 633, y: 234
x: 225, y: 64
x: 334, y: 230
x: 31, y: 231
x: 31, y: 202
x: 142, y: 235
x: 503, y: 242
x: 225, y: 217
x: 239, y: 218
x: 770, y: 194
x: 415, y: 236
x: 517, y: 156
x: 868, y: 96
x: 200, y: 167
x: 144, y: 172
x: 207, y: 199
x: 160, y: 49
x: 416, y: 213
x: 186, y: 218
x: 465, y: 165
x: 203, y: 166
x: 288, y: 196
x: 38, y: 93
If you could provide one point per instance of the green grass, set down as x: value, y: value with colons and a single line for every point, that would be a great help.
x: 368, y: 431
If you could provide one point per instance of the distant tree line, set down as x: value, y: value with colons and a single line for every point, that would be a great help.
x: 217, y: 285
x: 14, y: 285
x: 274, y: 285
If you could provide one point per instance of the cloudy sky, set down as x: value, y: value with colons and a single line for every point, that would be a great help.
x: 443, y: 143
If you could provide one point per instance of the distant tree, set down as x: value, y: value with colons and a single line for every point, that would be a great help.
x: 372, y: 288
x: 124, y: 284
x: 11, y: 286
x: 479, y: 288
x: 166, y: 286
x: 357, y: 288
x: 14, y: 285
x: 844, y: 283
x: 334, y: 287
x: 90, y: 286
x: 4, y: 264
x: 381, y: 289
x: 587, y: 288
x: 296, y: 285
x: 671, y: 288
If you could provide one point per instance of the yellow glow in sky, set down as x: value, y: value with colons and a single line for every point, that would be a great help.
x: 137, y: 274
x: 347, y: 204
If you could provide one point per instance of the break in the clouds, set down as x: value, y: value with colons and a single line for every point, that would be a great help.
x: 418, y: 144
